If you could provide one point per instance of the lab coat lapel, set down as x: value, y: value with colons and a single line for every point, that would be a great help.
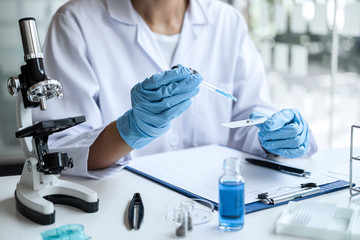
x: 194, y: 22
x: 147, y: 42
x: 123, y: 11
x: 187, y: 39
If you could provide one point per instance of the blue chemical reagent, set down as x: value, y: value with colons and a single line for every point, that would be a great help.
x: 231, y: 196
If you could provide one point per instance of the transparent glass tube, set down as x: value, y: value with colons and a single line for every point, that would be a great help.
x: 231, y: 196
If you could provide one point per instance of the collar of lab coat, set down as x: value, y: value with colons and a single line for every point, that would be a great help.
x: 194, y: 18
x: 124, y: 12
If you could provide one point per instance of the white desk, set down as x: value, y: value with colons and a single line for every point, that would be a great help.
x: 115, y: 192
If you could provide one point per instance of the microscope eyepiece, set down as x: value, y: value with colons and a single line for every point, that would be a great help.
x: 36, y: 86
x: 30, y: 38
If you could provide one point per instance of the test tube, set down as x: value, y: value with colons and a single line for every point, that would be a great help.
x: 218, y: 90
x: 215, y: 89
x: 212, y: 87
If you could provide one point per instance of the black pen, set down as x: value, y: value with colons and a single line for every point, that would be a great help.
x: 279, y: 166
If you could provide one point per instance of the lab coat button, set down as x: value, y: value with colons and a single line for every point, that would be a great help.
x: 174, y: 140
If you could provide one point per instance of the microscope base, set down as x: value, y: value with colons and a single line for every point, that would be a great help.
x: 43, y: 219
x: 35, y: 199
x: 47, y: 219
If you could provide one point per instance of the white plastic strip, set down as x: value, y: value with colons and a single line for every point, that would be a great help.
x: 245, y: 123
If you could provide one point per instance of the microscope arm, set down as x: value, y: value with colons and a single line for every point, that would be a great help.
x: 24, y: 119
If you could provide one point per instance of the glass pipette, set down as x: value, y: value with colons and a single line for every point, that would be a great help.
x: 212, y: 87
x: 218, y: 90
x: 215, y: 89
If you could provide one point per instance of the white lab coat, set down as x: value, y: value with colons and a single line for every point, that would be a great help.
x: 99, y: 49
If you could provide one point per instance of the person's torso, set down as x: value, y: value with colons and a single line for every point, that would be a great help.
x: 122, y: 51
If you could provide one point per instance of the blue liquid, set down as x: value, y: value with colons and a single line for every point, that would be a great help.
x: 231, y: 206
x: 225, y: 94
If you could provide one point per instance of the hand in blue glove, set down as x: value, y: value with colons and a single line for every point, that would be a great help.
x: 155, y: 102
x: 285, y: 133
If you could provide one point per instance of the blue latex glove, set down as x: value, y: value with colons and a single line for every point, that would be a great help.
x: 155, y: 102
x: 285, y: 133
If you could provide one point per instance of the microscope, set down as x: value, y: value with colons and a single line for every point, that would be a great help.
x: 39, y: 187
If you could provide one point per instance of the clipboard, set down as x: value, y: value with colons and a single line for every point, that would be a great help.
x: 326, y: 188
x: 306, y: 189
x: 156, y: 160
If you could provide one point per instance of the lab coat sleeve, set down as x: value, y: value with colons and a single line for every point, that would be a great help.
x: 77, y: 147
x: 66, y: 60
x: 253, y: 95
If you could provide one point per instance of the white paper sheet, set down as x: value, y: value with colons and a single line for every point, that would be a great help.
x: 344, y: 170
x: 197, y: 170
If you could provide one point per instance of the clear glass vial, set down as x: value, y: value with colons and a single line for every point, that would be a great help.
x: 231, y: 196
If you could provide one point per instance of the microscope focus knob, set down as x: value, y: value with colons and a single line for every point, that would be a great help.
x: 13, y: 85
x: 44, y: 90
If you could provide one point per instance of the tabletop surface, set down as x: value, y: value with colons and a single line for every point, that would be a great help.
x: 116, y: 191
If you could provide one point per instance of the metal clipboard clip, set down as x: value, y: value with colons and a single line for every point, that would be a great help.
x: 306, y: 189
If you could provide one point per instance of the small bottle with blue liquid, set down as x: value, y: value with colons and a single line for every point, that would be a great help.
x: 231, y: 196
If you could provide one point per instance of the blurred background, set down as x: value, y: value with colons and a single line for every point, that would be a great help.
x: 310, y: 48
x: 11, y: 58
